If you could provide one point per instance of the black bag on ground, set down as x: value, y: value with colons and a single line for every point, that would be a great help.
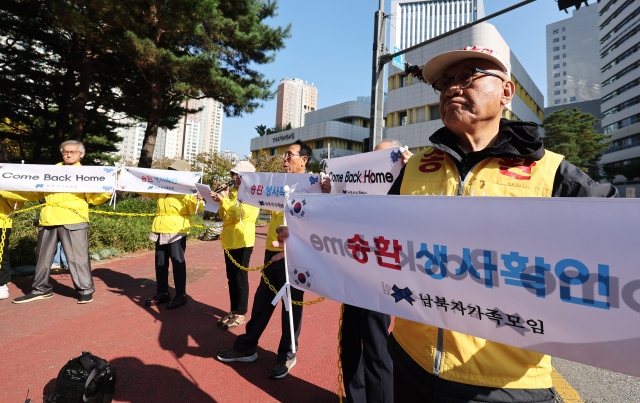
x: 85, y: 379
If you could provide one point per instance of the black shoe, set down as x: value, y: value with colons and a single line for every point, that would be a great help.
x: 160, y: 298
x: 177, y: 302
x: 31, y: 297
x: 85, y: 299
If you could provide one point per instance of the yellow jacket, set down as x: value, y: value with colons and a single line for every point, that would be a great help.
x: 277, y: 219
x: 236, y: 235
x: 174, y: 212
x: 6, y: 207
x: 467, y: 359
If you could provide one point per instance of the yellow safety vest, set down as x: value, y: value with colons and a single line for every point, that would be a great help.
x: 236, y: 234
x: 467, y: 359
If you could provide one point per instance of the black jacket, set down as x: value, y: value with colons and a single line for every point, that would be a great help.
x: 516, y: 140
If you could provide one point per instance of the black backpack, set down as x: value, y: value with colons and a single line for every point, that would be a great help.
x: 85, y: 379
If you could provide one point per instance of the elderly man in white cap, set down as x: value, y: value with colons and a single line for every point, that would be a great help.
x: 505, y: 158
x: 238, y: 237
x: 169, y: 231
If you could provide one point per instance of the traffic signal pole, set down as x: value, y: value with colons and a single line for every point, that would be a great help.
x: 377, y: 80
x: 381, y: 57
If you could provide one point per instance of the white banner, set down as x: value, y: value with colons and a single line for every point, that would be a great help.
x: 57, y: 178
x: 558, y: 276
x: 366, y: 173
x: 266, y: 190
x: 146, y: 180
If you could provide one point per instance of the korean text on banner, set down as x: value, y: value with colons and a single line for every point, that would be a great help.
x: 563, y: 281
x: 367, y: 173
x: 57, y: 178
x: 210, y: 204
x: 266, y: 190
x: 146, y: 180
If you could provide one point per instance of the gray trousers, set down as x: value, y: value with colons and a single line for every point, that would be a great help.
x: 75, y: 241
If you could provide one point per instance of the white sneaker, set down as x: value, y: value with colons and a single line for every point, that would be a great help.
x: 4, y: 292
x: 55, y: 266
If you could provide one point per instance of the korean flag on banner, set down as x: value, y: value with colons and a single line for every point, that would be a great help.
x: 298, y: 207
x: 303, y: 279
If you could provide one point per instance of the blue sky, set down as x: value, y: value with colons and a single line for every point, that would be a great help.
x: 331, y: 47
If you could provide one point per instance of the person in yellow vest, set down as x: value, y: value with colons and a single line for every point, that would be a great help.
x: 169, y: 231
x: 7, y: 206
x: 244, y: 349
x: 60, y: 224
x: 238, y: 236
x: 477, y: 153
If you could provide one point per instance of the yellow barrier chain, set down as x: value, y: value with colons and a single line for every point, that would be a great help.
x: 4, y: 231
x: 340, y: 353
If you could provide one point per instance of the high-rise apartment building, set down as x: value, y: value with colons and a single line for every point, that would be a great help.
x: 195, y: 133
x: 416, y: 21
x: 573, y: 75
x: 618, y: 28
x: 295, y: 98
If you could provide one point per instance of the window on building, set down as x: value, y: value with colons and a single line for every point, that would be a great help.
x: 555, y: 31
x: 564, y: 73
x: 556, y: 102
x: 564, y: 37
x: 403, y: 118
x: 556, y: 57
x: 572, y: 99
x: 564, y: 46
x: 565, y: 91
x: 434, y: 112
x: 564, y: 64
x: 564, y: 55
x: 556, y: 66
x: 556, y: 75
x: 319, y: 143
x: 274, y: 151
x: 556, y: 48
x: 563, y: 29
x: 556, y: 40
x: 565, y: 100
x: 404, y: 81
x: 564, y: 82
x: 556, y: 84
x: 556, y: 92
x: 349, y: 145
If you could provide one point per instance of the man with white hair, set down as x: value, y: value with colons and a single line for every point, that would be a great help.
x: 68, y: 223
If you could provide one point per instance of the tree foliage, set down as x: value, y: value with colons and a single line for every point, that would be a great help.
x: 572, y: 135
x: 271, y: 163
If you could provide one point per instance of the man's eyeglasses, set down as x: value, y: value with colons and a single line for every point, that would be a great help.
x: 462, y: 79
x: 289, y: 155
x: 70, y: 152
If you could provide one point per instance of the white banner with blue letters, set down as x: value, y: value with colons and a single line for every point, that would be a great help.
x: 559, y: 276
x: 57, y: 178
x: 147, y: 180
x: 365, y: 173
x: 266, y: 190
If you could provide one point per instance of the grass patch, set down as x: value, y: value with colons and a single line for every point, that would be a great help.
x: 126, y: 234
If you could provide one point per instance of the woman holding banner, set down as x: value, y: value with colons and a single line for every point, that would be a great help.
x: 7, y: 206
x: 238, y: 237
x: 169, y: 231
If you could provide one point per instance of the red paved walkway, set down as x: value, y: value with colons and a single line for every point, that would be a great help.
x: 161, y: 356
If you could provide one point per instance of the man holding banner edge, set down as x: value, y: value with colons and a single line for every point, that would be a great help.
x: 295, y: 161
x: 477, y: 154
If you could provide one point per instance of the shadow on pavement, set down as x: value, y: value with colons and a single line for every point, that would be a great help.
x: 197, y: 321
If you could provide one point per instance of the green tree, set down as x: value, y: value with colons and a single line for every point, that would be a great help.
x: 316, y: 164
x: 201, y: 49
x: 271, y: 163
x: 572, y: 135
x: 262, y: 130
x: 609, y: 172
x: 630, y: 171
x: 217, y: 168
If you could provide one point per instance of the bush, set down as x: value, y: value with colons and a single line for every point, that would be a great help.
x: 125, y: 234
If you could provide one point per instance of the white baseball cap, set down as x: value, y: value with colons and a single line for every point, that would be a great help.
x: 243, y: 166
x: 436, y: 67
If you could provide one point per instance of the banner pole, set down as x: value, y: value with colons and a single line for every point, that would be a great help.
x: 286, y: 273
x: 201, y: 175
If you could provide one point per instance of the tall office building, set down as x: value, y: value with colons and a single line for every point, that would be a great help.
x: 413, y: 22
x: 618, y: 26
x: 573, y: 75
x: 195, y: 133
x: 295, y: 99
